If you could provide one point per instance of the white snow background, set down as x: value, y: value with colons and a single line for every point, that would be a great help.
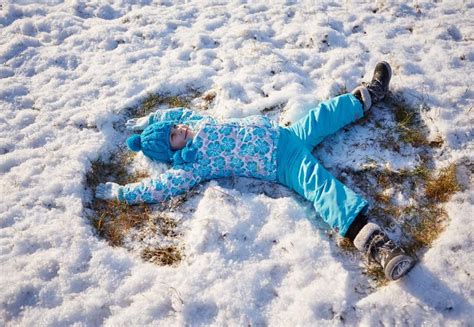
x: 67, y: 72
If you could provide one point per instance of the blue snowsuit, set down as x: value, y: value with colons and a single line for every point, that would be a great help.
x: 257, y: 147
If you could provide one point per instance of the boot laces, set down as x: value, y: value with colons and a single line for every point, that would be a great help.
x: 376, y: 89
x: 379, y: 248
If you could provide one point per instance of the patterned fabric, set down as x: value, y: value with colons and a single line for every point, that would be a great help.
x: 233, y: 147
x: 177, y: 115
x: 173, y: 182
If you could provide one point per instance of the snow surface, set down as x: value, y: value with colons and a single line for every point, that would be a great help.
x: 69, y: 70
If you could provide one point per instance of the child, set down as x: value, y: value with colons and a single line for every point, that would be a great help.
x: 199, y: 148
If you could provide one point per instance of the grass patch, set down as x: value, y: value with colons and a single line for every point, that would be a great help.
x: 437, y: 142
x: 427, y: 225
x: 421, y: 172
x: 152, y: 100
x: 166, y: 225
x: 114, y: 170
x: 408, y: 124
x: 383, y: 198
x: 414, y: 137
x: 114, y: 220
x: 386, y: 215
x: 442, y: 187
x: 376, y: 273
x: 164, y: 256
x: 345, y: 244
x: 209, y: 96
x: 404, y: 115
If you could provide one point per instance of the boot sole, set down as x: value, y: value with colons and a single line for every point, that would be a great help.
x: 398, y: 267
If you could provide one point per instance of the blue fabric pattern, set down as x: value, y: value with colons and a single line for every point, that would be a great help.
x: 235, y: 147
x: 256, y: 147
x: 175, y: 181
x: 177, y: 115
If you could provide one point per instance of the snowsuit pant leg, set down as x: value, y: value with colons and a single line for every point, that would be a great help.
x: 327, y: 118
x: 298, y: 169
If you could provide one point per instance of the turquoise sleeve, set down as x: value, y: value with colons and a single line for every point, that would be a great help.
x: 174, y: 182
x: 178, y: 115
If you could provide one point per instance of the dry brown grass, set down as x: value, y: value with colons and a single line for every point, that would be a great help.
x: 150, y: 103
x: 414, y: 137
x: 404, y: 115
x: 168, y: 255
x: 345, y: 244
x: 391, y: 211
x: 114, y: 219
x: 383, y: 198
x: 437, y: 142
x: 428, y: 224
x: 383, y: 179
x: 408, y: 123
x: 428, y: 217
x: 421, y: 171
x: 442, y: 187
x: 166, y: 225
x: 375, y: 272
x: 113, y: 170
x: 209, y: 96
x: 421, y: 222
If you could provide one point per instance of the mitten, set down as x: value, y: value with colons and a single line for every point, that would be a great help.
x: 107, y: 191
x: 137, y: 124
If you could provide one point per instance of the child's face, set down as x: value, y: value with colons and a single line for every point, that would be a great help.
x: 179, y: 136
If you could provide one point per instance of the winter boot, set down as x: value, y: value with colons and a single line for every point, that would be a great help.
x: 379, y: 248
x: 375, y: 91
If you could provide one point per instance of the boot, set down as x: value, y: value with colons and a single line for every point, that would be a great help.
x: 380, y: 249
x: 375, y: 91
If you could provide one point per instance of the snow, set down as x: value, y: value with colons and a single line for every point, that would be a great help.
x: 68, y: 71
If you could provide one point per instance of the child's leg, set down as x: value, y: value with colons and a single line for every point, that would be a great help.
x: 325, y: 119
x: 298, y: 169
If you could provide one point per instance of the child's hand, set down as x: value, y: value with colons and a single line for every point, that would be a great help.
x: 107, y: 191
x: 137, y: 124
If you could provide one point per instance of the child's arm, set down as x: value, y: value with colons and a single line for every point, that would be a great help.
x: 178, y: 115
x: 173, y: 182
